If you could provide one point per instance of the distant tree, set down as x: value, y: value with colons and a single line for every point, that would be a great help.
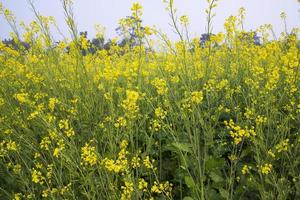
x: 250, y: 37
x: 16, y: 45
x: 97, y: 44
x: 128, y: 30
x: 256, y: 39
x: 131, y: 29
x: 205, y: 37
x: 94, y: 45
x: 84, y: 49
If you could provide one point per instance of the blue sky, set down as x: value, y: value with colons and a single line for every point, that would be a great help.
x: 108, y: 12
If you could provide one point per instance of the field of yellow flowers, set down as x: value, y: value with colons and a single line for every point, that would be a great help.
x: 213, y: 121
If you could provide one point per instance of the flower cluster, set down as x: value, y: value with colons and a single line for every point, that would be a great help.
x: 238, y: 133
x: 88, y: 155
x: 130, y: 105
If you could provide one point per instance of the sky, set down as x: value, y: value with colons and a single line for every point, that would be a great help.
x: 108, y: 12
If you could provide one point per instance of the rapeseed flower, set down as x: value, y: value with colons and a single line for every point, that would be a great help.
x: 88, y: 155
x: 266, y: 168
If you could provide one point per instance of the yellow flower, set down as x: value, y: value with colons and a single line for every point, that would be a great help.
x: 136, y: 7
x: 64, y: 124
x: 155, y: 188
x: 69, y: 132
x: 121, y: 164
x: 52, y: 103
x: 68, y: 2
x: 85, y: 44
x: 130, y: 104
x: 18, y: 196
x: 265, y: 169
x: 22, y: 97
x: 59, y: 148
x: 184, y: 20
x: 135, y: 162
x: 283, y: 15
x: 52, y: 134
x: 17, y: 169
x: 11, y: 146
x: 175, y: 79
x: 50, y: 118
x: 8, y: 131
x: 121, y: 122
x: 124, y: 144
x: 37, y: 177
x: 33, y: 115
x: 39, y: 165
x: 148, y: 163
x: 165, y: 188
x: 142, y: 185
x: 148, y: 30
x: 2, y: 101
x: 37, y: 155
x: 109, y: 164
x: 271, y: 153
x: 246, y: 169
x: 132, y: 95
x: 160, y: 85
x: 232, y: 157
x: 160, y: 113
x: 197, y: 97
x: 249, y: 113
x: 260, y: 119
x: 45, y: 193
x: 64, y: 189
x: 282, y: 146
x: 155, y: 125
x: 127, y: 190
x: 88, y: 155
x: 238, y: 133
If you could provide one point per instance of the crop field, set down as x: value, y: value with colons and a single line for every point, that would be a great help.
x: 212, y: 118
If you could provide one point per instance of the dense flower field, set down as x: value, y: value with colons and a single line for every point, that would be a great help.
x: 218, y: 120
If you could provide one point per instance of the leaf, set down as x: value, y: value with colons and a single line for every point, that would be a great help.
x: 212, y: 194
x: 188, y: 198
x: 246, y: 152
x: 182, y: 167
x: 215, y: 177
x: 189, y: 181
x: 212, y: 163
x: 184, y: 147
x: 224, y: 193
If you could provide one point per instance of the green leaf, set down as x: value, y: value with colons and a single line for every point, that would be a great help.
x: 213, y: 195
x: 184, y: 147
x: 224, y: 193
x: 215, y: 177
x: 182, y: 167
x: 246, y: 152
x: 189, y: 181
x: 212, y: 163
x: 188, y: 198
